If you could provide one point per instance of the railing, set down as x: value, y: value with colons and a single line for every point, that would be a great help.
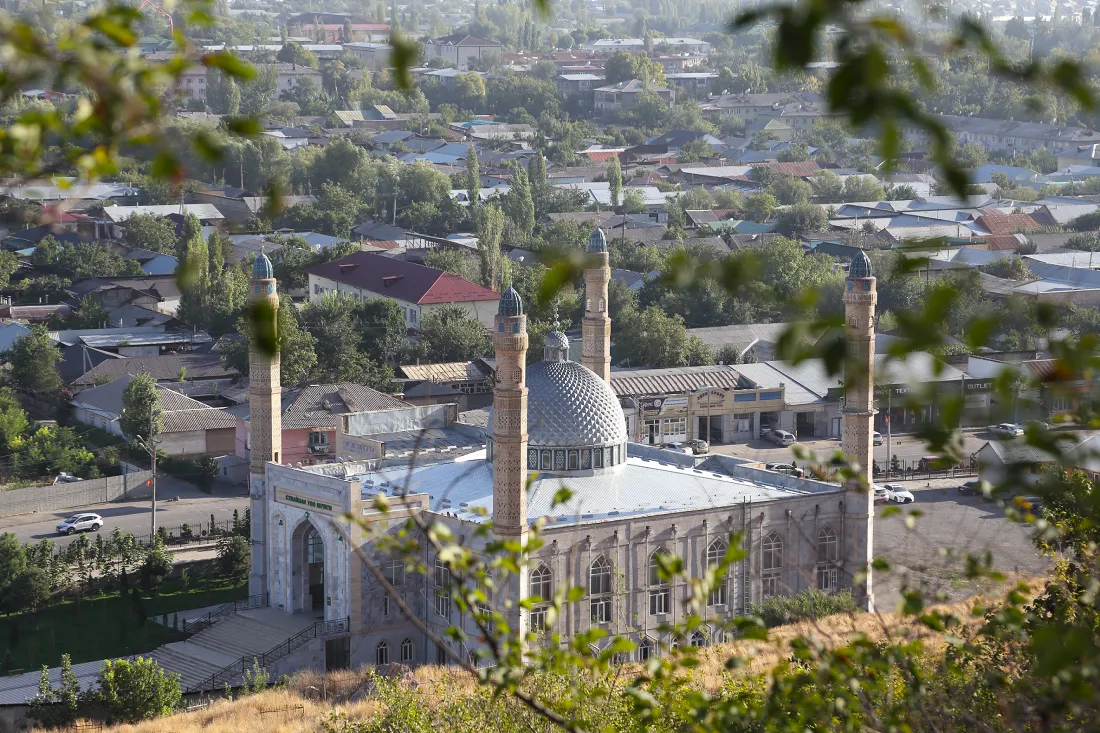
x: 207, y: 620
x: 231, y: 673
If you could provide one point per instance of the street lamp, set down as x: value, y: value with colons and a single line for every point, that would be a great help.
x: 150, y: 446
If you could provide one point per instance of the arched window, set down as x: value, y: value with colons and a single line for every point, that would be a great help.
x: 772, y: 565
x: 315, y: 548
x: 541, y: 584
x: 603, y: 305
x: 645, y: 649
x: 698, y: 639
x: 660, y: 596
x: 715, y: 554
x: 827, y: 554
x: 588, y: 304
x: 442, y: 586
x: 382, y: 653
x: 599, y: 589
x: 407, y: 650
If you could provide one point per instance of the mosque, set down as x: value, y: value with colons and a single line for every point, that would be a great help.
x: 554, y: 424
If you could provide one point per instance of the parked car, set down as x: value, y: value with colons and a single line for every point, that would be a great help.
x: 678, y: 448
x: 788, y: 468
x: 66, y: 478
x: 697, y: 446
x: 899, y: 495
x: 1006, y: 430
x: 971, y: 488
x: 876, y: 437
x: 880, y: 492
x: 83, y: 522
x: 782, y: 438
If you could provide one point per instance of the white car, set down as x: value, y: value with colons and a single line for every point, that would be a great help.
x: 876, y: 437
x: 898, y: 495
x: 84, y: 522
x: 782, y: 438
x: 1007, y: 430
x: 881, y: 493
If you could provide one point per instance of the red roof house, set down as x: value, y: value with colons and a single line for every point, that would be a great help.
x: 419, y: 290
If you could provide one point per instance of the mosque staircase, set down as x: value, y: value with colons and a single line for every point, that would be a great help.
x: 226, y: 646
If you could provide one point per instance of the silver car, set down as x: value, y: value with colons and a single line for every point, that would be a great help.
x: 84, y: 522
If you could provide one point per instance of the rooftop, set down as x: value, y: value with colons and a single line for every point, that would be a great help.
x: 401, y: 280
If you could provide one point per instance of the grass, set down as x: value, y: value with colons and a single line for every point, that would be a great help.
x: 106, y: 626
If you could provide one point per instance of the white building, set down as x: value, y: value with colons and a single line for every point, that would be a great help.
x: 563, y: 419
x: 459, y: 49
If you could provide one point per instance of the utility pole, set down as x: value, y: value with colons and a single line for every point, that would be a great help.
x: 153, y: 461
x: 889, y: 451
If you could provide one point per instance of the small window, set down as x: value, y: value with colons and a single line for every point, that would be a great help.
x: 407, y: 650
x: 698, y: 639
x: 541, y: 583
x: 386, y: 606
x: 660, y: 595
x: 382, y: 653
x: 645, y: 649
x: 538, y: 619
x: 442, y: 604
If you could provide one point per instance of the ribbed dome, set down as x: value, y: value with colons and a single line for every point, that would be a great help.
x: 861, y: 266
x: 510, y: 303
x: 597, y: 242
x: 568, y: 405
x: 556, y: 347
x: 262, y: 268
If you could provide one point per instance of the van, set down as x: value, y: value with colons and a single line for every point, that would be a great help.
x: 781, y: 438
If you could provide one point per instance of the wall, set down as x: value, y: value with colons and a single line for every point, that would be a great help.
x: 74, y: 495
x: 221, y: 441
x: 296, y: 445
x: 483, y: 310
x: 396, y: 421
x: 190, y: 443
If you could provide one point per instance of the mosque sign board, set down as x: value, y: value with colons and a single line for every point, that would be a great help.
x: 310, y: 504
x: 364, y: 448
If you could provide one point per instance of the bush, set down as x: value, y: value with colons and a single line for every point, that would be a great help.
x: 129, y: 692
x: 156, y: 567
x: 235, y: 558
x: 810, y: 603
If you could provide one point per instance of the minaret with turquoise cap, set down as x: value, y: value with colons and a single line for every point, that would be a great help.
x: 596, y: 325
x: 265, y: 419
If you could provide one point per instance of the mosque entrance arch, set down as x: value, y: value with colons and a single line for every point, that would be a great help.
x: 308, y: 547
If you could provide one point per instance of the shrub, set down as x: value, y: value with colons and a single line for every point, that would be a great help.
x: 129, y: 692
x: 235, y: 558
x: 810, y: 603
x: 156, y: 567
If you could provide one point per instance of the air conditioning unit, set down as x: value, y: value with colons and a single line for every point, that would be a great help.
x: 318, y: 449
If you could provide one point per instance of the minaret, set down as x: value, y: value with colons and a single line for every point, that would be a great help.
x: 265, y: 421
x: 859, y: 411
x: 510, y: 417
x: 596, y: 326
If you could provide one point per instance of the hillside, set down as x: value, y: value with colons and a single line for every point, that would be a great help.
x: 309, y: 700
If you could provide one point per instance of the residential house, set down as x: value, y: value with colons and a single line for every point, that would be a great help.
x: 189, y: 427
x: 611, y: 98
x: 469, y: 384
x: 417, y: 289
x: 374, y: 56
x: 578, y: 86
x: 458, y: 49
x: 156, y: 292
x: 799, y: 111
x: 198, y: 375
x: 192, y: 83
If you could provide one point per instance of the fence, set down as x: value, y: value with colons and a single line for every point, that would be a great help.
x: 232, y: 673
x: 207, y: 620
x: 194, y: 533
x: 75, y: 495
x: 921, y: 468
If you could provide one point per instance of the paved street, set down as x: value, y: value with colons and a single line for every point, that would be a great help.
x: 905, y: 447
x: 193, y: 507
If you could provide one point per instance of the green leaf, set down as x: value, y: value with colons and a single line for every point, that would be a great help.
x: 230, y: 65
x: 243, y: 125
x: 402, y: 58
x: 563, y: 495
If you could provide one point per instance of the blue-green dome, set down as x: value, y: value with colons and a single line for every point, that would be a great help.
x: 262, y: 267
x: 861, y: 266
x: 597, y: 242
x: 510, y: 304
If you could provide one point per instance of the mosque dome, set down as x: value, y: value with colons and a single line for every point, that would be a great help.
x: 574, y: 419
x: 861, y: 266
x: 510, y: 303
x: 597, y: 242
x: 263, y: 268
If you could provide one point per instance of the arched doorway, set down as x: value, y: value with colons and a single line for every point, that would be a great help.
x: 308, y: 570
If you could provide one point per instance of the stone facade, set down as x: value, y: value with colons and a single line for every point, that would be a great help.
x: 596, y: 326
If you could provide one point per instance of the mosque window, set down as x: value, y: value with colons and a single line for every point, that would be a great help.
x: 537, y: 621
x: 395, y: 572
x: 442, y: 574
x: 716, y: 553
x: 544, y: 462
x: 542, y: 583
x: 660, y: 596
x: 407, y: 650
x: 597, y: 455
x: 826, y: 559
x: 559, y: 460
x: 698, y: 639
x: 315, y: 548
x: 574, y: 460
x: 382, y: 653
x: 533, y: 458
x: 772, y: 564
x: 603, y: 305
x: 442, y: 604
x: 645, y: 649
x: 586, y: 459
x: 599, y: 588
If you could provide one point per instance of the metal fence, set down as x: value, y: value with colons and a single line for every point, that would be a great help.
x: 922, y: 468
x: 190, y: 533
x: 231, y: 674
x: 195, y: 625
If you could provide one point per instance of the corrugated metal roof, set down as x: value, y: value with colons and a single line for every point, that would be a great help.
x: 318, y: 405
x: 677, y: 380
x: 447, y: 372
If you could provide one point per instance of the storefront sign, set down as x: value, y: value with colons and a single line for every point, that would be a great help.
x: 709, y: 397
x: 674, y: 406
x: 313, y: 505
x: 364, y: 448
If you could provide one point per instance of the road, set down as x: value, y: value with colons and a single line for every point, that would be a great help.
x: 905, y: 447
x: 130, y: 516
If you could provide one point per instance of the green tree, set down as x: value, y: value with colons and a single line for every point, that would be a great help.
x: 759, y: 206
x: 448, y: 333
x: 790, y: 190
x: 489, y: 221
x: 9, y: 263
x: 33, y: 360
x: 615, y: 180
x: 473, y: 177
x: 147, y: 231
x: 451, y: 260
x: 801, y: 218
x: 621, y: 66
x: 633, y: 202
x: 132, y: 691
x: 695, y: 150
x: 13, y: 420
x: 234, y: 558
x: 141, y: 409
x: 297, y: 358
x: 518, y: 204
x: 334, y: 321
x: 653, y: 338
x: 293, y: 53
